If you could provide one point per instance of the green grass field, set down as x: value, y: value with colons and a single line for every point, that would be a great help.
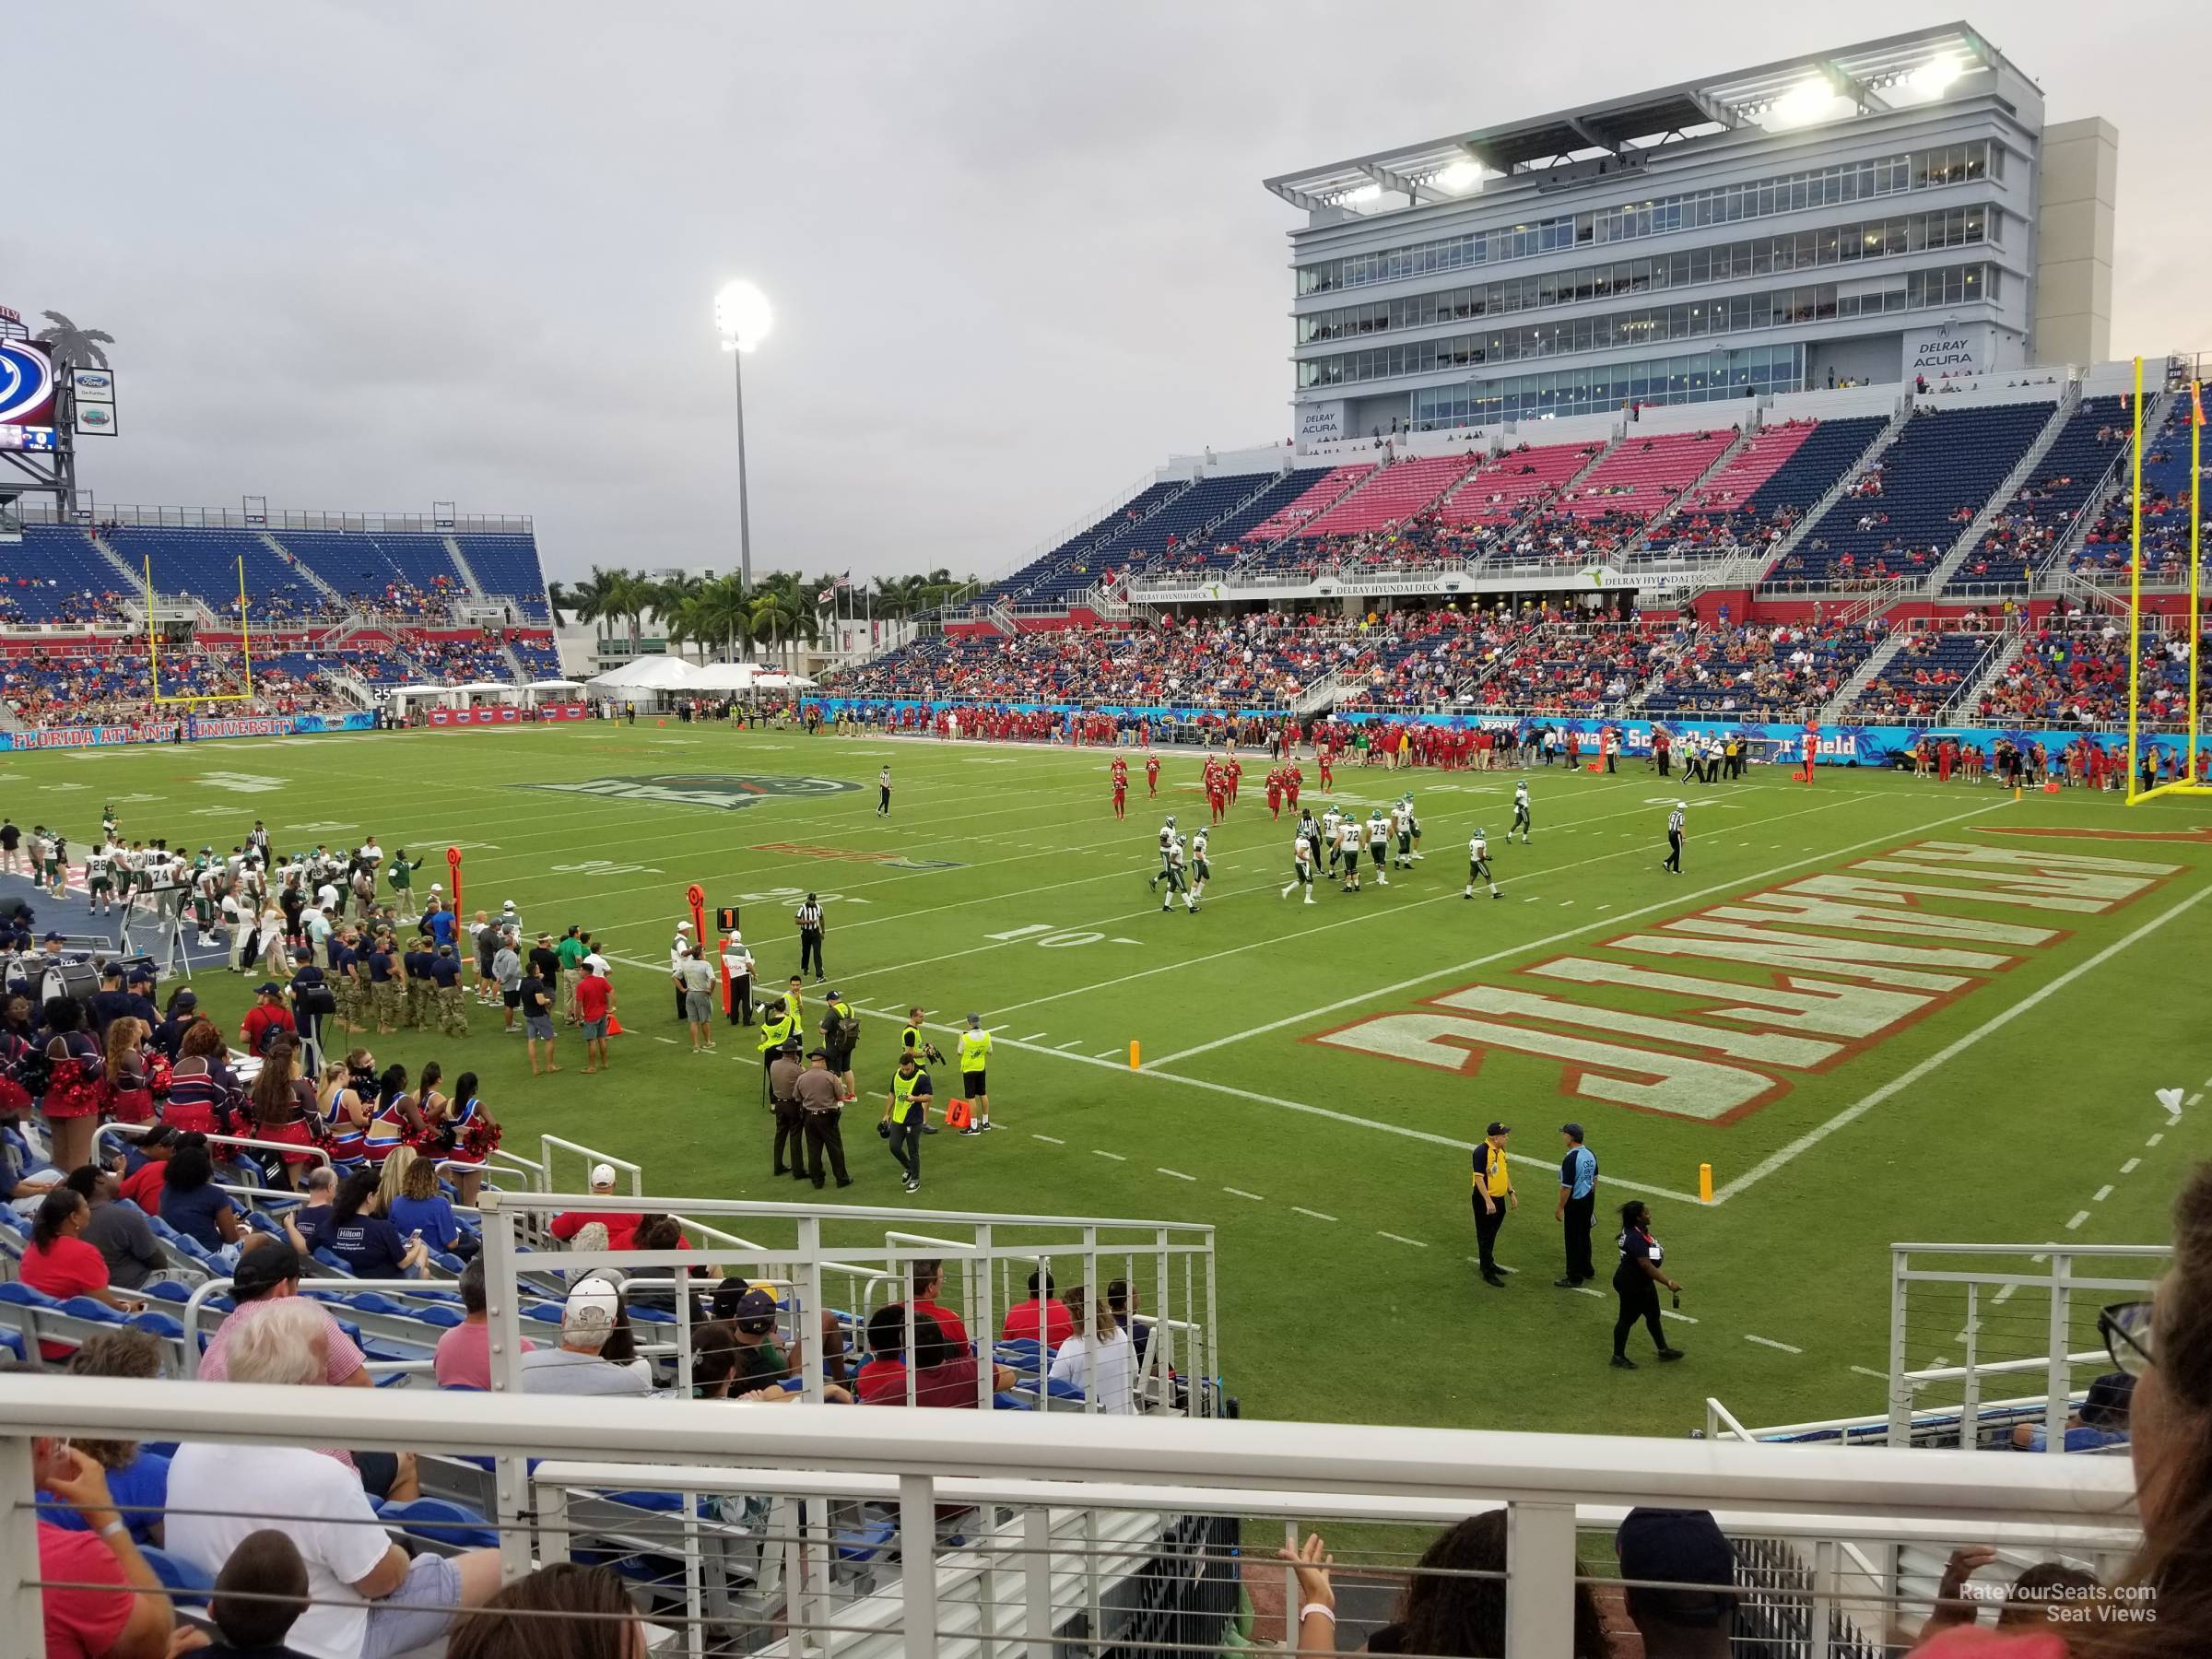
x: 1302, y: 1089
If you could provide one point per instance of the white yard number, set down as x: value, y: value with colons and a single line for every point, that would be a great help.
x: 239, y: 783
x: 603, y: 867
x: 796, y: 897
x: 1037, y: 932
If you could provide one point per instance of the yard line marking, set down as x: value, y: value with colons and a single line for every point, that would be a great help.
x: 1301, y: 1210
x: 1177, y: 1174
x: 1769, y: 1342
x: 1402, y: 1239
x: 670, y: 1040
x: 2005, y: 1017
x: 1586, y: 1291
x: 2129, y: 1166
x: 2079, y: 1216
x: 1055, y: 1139
x: 1878, y: 1376
x: 1565, y: 902
x: 1117, y: 1157
x: 2004, y: 1294
x: 1109, y: 1054
x: 1071, y: 1042
x: 1034, y: 1035
x: 2102, y: 1193
x: 1669, y: 1313
x: 1681, y: 902
x: 1241, y: 1192
x: 2155, y: 1139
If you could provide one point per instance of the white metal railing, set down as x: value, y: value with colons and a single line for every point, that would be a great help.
x: 1041, y: 1490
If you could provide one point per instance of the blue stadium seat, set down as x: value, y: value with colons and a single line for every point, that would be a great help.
x: 440, y: 1520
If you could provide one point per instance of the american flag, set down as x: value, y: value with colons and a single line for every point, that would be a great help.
x: 830, y: 591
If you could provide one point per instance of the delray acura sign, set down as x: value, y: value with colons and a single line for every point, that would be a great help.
x: 1950, y: 349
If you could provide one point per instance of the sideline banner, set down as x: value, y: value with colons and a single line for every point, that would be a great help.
x: 507, y: 715
x: 195, y: 730
x: 1839, y: 745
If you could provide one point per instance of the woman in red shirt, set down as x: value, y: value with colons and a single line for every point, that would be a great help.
x: 62, y: 1264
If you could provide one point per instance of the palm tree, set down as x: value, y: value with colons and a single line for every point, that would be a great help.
x: 73, y: 347
x: 774, y: 615
x: 716, y: 616
x: 562, y: 600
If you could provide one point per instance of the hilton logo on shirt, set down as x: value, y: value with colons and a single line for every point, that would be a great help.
x: 693, y: 789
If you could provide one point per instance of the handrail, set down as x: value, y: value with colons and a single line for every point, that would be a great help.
x: 531, y: 1203
x: 637, y: 1172
x: 136, y: 1131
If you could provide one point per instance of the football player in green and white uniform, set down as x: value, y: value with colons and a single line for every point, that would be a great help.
x: 1378, y: 845
x: 1177, y: 874
x: 1478, y: 866
x: 1167, y: 844
x: 1302, y: 863
x: 1332, y: 822
x: 1520, y: 815
x: 1348, y: 843
x: 1202, y: 872
x: 1401, y: 825
x: 107, y: 821
x: 100, y: 879
x: 1413, y: 826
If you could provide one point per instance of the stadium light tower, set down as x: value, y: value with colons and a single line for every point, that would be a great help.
x: 742, y: 313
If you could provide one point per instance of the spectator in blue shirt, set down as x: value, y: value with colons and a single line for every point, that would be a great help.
x: 421, y: 1207
x: 1577, y: 1207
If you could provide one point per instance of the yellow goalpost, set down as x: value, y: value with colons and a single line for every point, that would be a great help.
x: 2185, y: 781
x: 153, y: 646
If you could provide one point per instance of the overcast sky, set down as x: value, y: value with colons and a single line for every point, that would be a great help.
x: 367, y: 256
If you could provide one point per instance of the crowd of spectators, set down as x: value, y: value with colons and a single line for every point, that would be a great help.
x: 1766, y: 670
x: 80, y: 685
x: 2074, y: 670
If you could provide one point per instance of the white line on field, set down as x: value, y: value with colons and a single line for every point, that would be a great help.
x: 2004, y: 1294
x: 2129, y: 1166
x: 1769, y: 1342
x: 1177, y: 1174
x: 1033, y: 1036
x: 1670, y: 1314
x: 2102, y: 1193
x: 2155, y: 1139
x: 670, y: 1040
x: 2079, y: 1216
x: 1117, y: 1157
x: 1301, y: 1210
x: 1402, y: 1239
x: 1878, y: 1376
x: 1904, y: 1081
x: 1241, y: 1192
x: 1052, y: 1139
x: 1071, y: 1042
x: 1109, y: 1054
x: 1586, y: 1291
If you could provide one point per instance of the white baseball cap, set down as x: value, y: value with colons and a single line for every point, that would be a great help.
x: 507, y: 904
x: 683, y: 927
x: 603, y: 1175
x: 591, y: 1308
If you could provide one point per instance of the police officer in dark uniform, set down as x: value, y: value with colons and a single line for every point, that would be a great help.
x: 783, y: 1096
x: 821, y: 1110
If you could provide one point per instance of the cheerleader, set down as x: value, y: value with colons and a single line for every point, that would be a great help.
x: 203, y: 1095
x: 472, y: 1135
x: 397, y: 1123
x: 346, y: 1112
x: 127, y: 1088
x: 74, y: 1070
x: 282, y: 1104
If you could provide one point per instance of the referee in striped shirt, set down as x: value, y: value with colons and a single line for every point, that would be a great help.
x: 809, y: 918
x: 1675, y: 821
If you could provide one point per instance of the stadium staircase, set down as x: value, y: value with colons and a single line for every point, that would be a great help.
x: 1873, y: 669
x: 1813, y: 514
x: 468, y: 574
x: 136, y: 577
x: 1746, y: 435
x: 1326, y: 691
x: 1537, y: 505
x: 2112, y: 487
x: 1999, y: 664
x: 305, y: 570
x: 523, y: 676
x: 2001, y: 497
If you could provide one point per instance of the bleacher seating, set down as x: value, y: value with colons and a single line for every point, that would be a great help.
x: 1573, y: 668
x: 1309, y: 503
x: 536, y: 651
x: 1501, y: 490
x: 2075, y: 673
x: 1389, y: 497
x: 508, y: 568
x: 1926, y: 676
x: 1760, y: 671
x: 1902, y: 517
x: 380, y: 569
x: 57, y: 575
x: 1083, y: 558
x: 2165, y: 507
x: 1175, y: 537
x: 1760, y: 495
x: 2029, y: 526
x: 205, y: 564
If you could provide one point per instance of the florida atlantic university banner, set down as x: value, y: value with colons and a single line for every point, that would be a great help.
x: 195, y: 730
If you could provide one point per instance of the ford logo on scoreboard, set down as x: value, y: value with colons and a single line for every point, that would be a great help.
x: 25, y: 384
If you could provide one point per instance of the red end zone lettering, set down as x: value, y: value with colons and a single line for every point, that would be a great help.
x: 1820, y: 998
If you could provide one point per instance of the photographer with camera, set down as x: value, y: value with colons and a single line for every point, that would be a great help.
x: 313, y: 1001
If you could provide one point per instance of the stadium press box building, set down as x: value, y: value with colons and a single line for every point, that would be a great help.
x: 1868, y: 215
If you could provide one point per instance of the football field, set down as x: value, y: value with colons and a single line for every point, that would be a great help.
x: 1881, y: 1010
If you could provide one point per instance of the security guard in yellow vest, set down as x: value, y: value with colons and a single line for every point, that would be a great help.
x: 905, y: 1112
x: 911, y: 1041
x: 975, y: 1055
x: 778, y: 1027
x: 1494, y: 1195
